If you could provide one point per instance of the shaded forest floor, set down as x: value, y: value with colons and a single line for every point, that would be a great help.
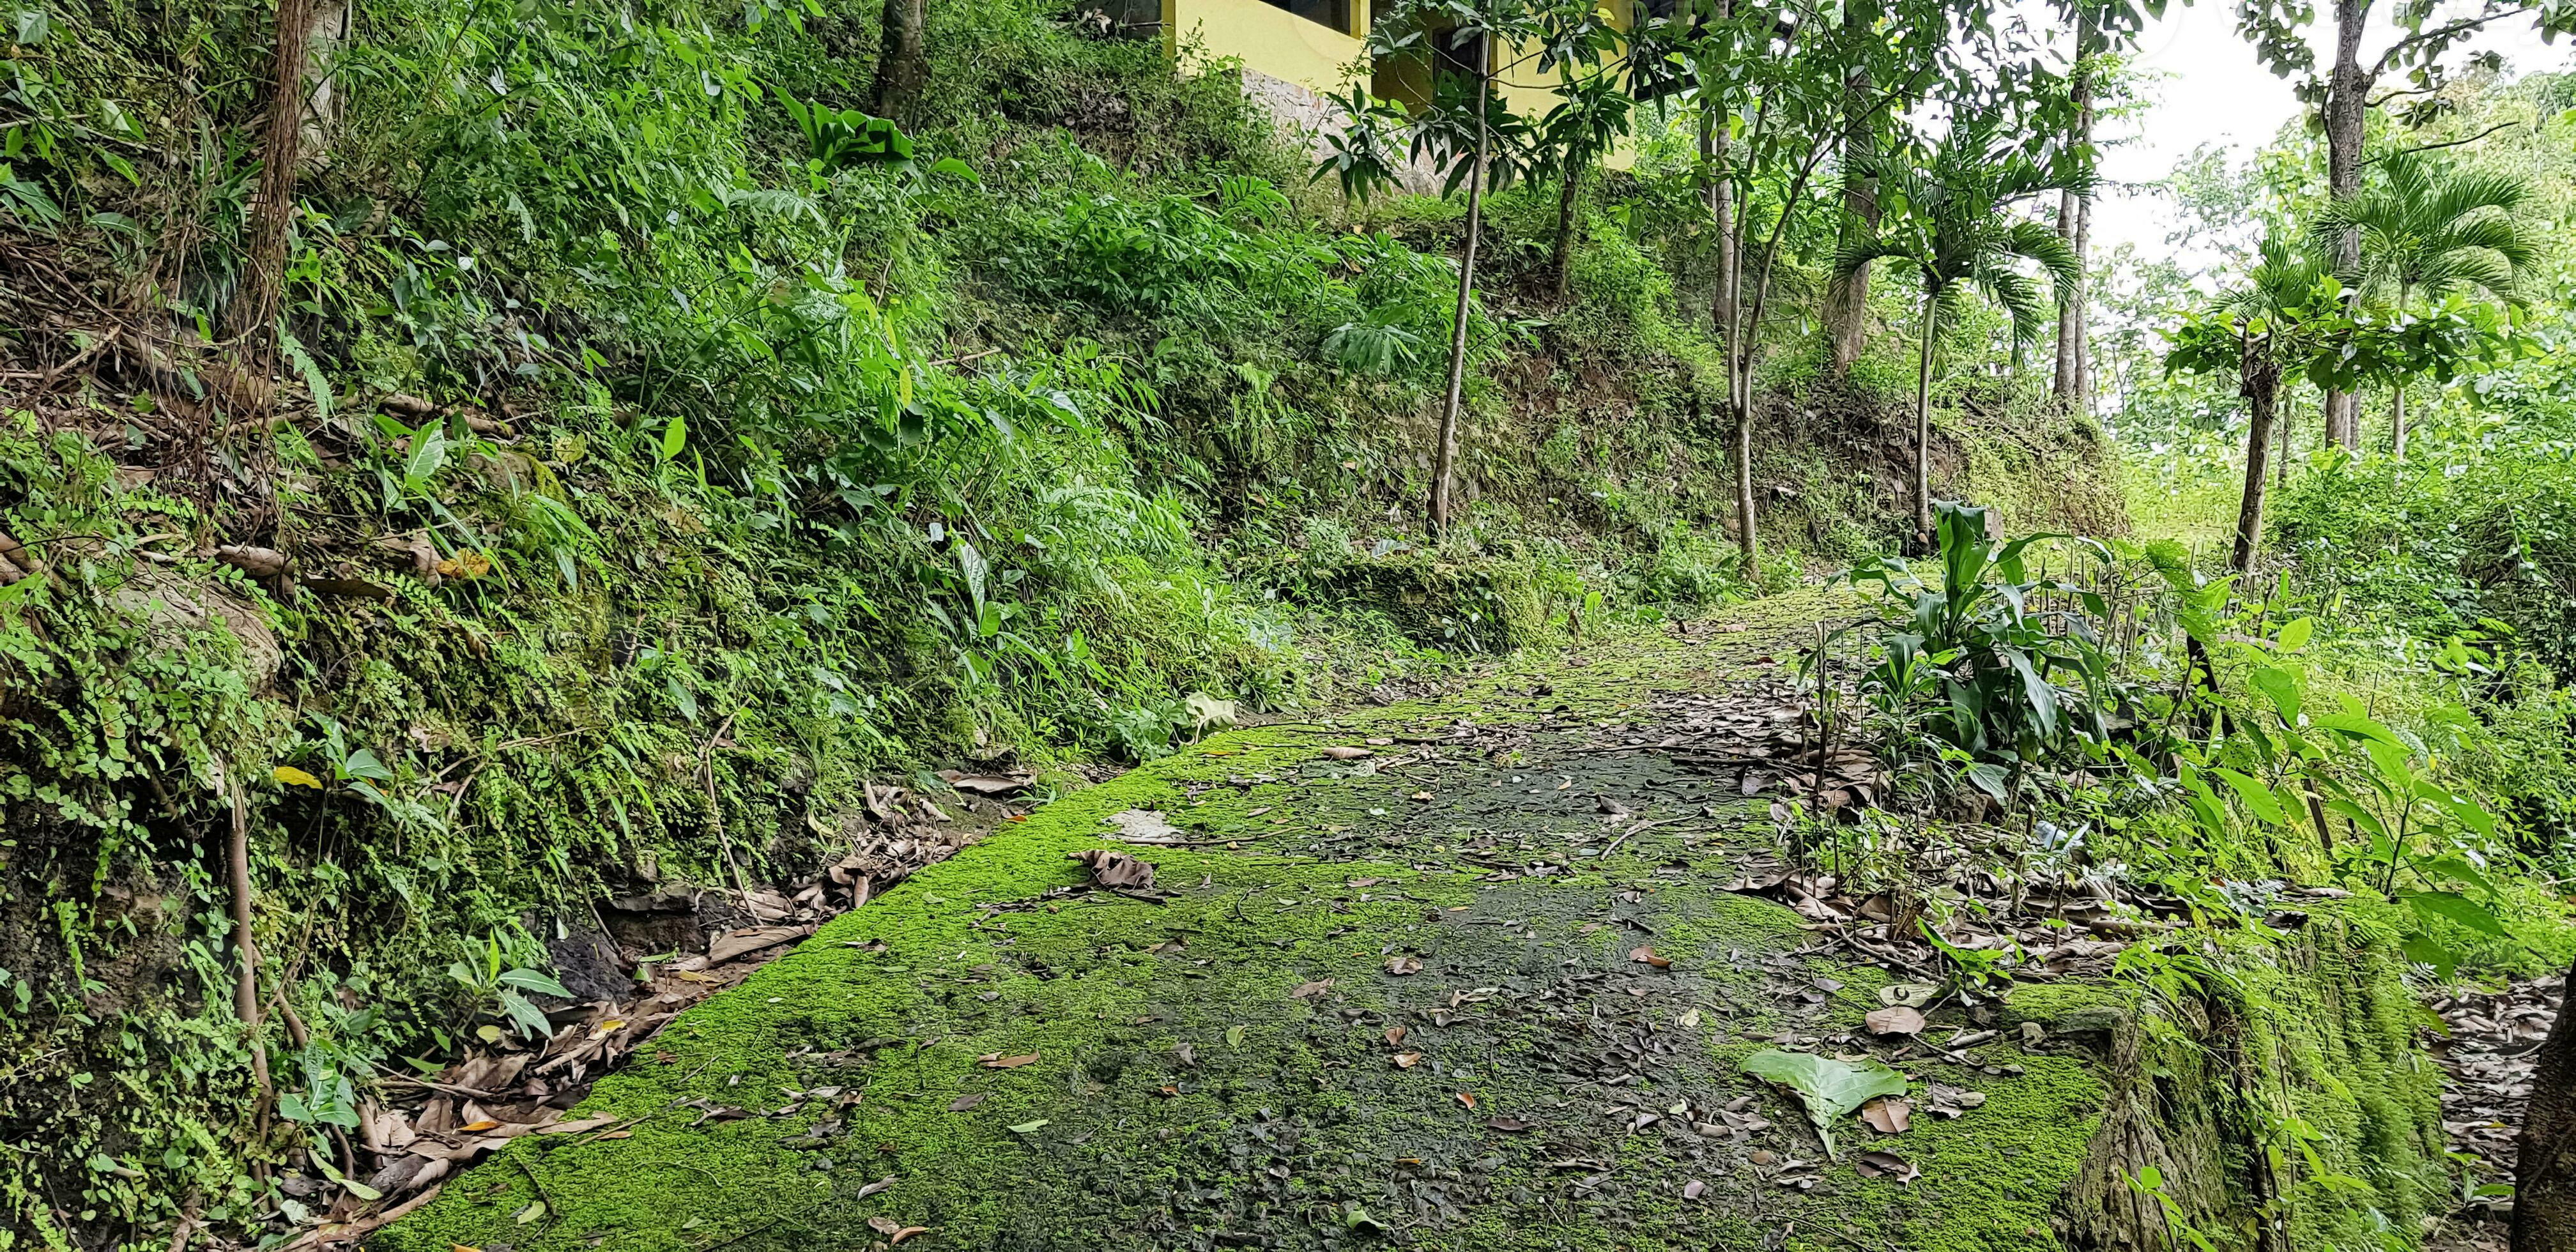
x: 1464, y: 971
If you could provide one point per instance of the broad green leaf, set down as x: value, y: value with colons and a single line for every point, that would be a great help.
x: 2451, y: 906
x: 292, y: 776
x: 2356, y: 726
x: 428, y: 453
x: 2294, y: 634
x: 2425, y: 950
x: 1829, y: 1088
x: 534, y: 980
x: 2257, y: 797
x: 363, y: 764
x: 2281, y: 687
x: 675, y: 436
x: 2360, y: 816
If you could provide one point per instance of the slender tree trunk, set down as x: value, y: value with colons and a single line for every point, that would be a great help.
x: 902, y: 61
x: 2544, y: 1192
x: 2261, y: 385
x: 1726, y: 321
x: 2397, y: 390
x: 2281, y: 464
x: 2073, y: 224
x: 1923, y: 424
x: 1445, y: 462
x: 246, y: 986
x: 1569, y: 193
x: 1847, y: 298
x: 2347, y: 100
x: 272, y: 219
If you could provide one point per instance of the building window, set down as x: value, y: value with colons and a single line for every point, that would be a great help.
x: 1332, y: 13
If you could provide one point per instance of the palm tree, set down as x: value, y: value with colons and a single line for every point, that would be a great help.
x: 1951, y: 216
x: 2432, y: 230
x: 2255, y: 330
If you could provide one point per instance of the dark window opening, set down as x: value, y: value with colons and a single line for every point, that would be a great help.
x: 1333, y: 13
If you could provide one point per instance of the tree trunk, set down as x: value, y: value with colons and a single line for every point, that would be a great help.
x: 1847, y: 298
x: 1445, y: 460
x: 902, y: 62
x: 2397, y: 390
x: 2281, y: 463
x: 1923, y: 425
x: 272, y: 218
x: 1726, y: 315
x: 2347, y: 100
x: 2261, y: 385
x: 246, y: 986
x: 1748, y: 554
x: 2074, y: 215
x: 2544, y: 1192
x: 1569, y: 193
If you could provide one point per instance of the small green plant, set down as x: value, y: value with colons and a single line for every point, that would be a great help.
x: 1993, y: 671
x: 499, y: 973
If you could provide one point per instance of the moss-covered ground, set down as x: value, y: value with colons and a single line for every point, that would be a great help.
x: 1250, y: 1057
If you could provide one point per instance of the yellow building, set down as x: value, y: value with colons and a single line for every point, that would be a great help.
x: 1296, y: 52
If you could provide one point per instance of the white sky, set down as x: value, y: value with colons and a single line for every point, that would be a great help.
x: 2212, y: 91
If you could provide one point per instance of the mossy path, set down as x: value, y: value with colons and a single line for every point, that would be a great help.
x: 1389, y: 1000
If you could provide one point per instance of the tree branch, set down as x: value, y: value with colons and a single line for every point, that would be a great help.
x: 2389, y: 57
x: 2430, y: 147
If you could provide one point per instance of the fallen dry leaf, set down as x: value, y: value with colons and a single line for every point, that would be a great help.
x: 1873, y: 1164
x: 1895, y: 1019
x: 908, y: 1232
x: 1344, y: 752
x: 1691, y: 1189
x: 1407, y: 1060
x: 1888, y: 1115
x: 965, y: 1102
x: 1310, y: 990
x: 1467, y: 1098
x: 1114, y: 869
x: 1646, y: 956
x: 884, y: 1225
x: 1394, y: 1035
x: 995, y: 1060
x: 1401, y: 966
x: 1508, y: 1124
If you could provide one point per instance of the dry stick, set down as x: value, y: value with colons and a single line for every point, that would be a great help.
x: 715, y: 812
x: 246, y: 990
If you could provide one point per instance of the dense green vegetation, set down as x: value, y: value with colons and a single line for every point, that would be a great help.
x: 652, y: 447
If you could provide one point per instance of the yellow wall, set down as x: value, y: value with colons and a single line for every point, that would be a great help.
x: 1273, y: 41
x: 1270, y: 40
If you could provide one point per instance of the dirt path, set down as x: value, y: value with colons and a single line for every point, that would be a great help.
x: 1482, y: 987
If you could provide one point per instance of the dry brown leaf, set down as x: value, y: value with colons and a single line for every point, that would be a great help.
x: 1646, y: 956
x: 1873, y: 1164
x: 1114, y: 869
x: 1467, y: 1098
x: 1402, y: 966
x: 1344, y: 752
x: 1310, y: 990
x: 884, y: 1225
x: 908, y: 1232
x: 965, y: 1102
x: 1888, y: 1115
x: 1894, y: 1020
x: 995, y: 1060
x: 1394, y: 1035
x: 1407, y: 1060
